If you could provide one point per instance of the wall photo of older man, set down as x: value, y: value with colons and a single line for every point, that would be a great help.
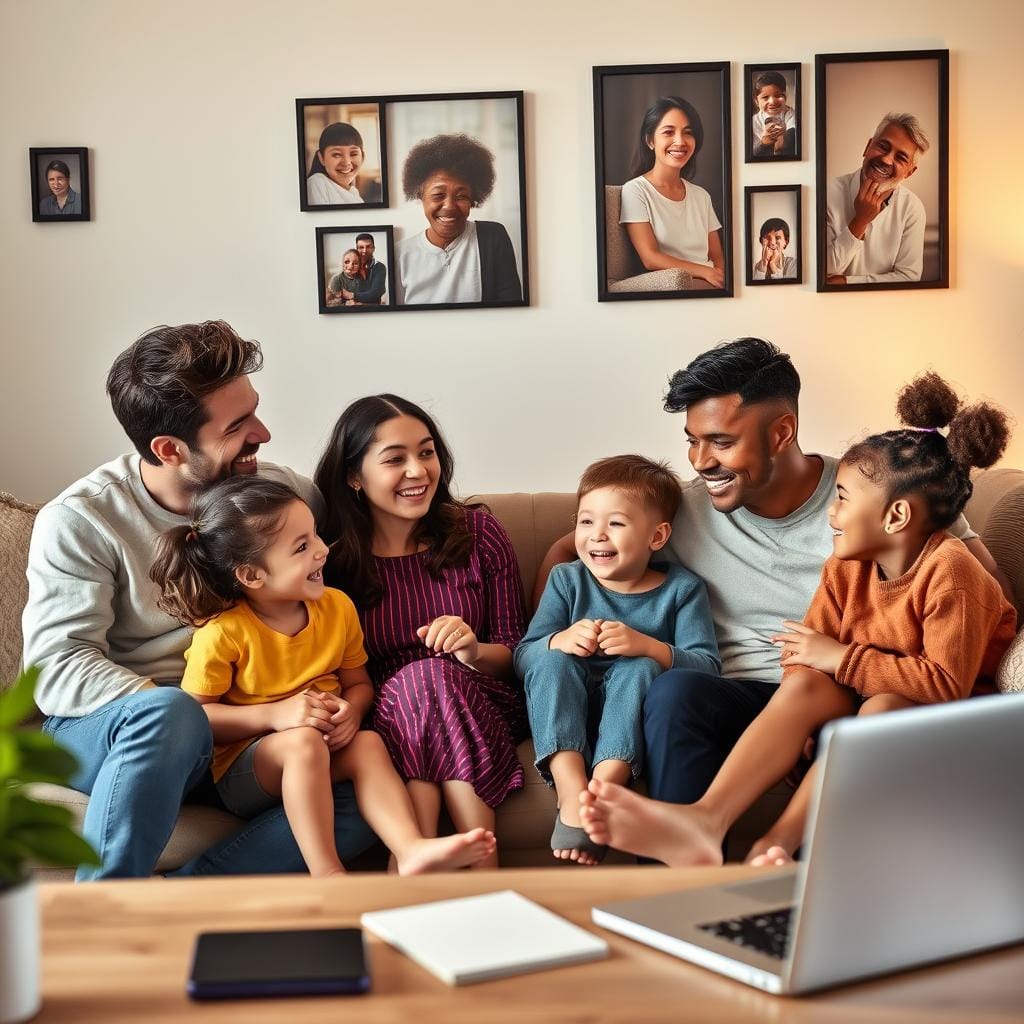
x: 883, y: 170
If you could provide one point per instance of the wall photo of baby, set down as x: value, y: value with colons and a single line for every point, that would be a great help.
x: 773, y: 236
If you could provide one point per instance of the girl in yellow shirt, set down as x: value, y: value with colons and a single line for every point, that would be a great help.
x: 277, y: 662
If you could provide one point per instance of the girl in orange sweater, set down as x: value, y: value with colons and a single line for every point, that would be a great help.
x: 904, y: 615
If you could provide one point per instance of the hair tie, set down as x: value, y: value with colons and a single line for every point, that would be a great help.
x: 193, y: 534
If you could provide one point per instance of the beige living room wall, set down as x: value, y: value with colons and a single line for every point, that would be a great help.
x: 188, y: 113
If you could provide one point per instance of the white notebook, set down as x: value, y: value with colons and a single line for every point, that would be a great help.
x: 478, y: 938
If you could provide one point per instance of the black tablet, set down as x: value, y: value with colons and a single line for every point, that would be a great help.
x: 317, y: 961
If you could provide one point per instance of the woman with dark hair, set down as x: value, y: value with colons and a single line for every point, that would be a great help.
x: 63, y: 200
x: 437, y: 586
x: 332, y: 175
x: 456, y: 259
x: 670, y: 220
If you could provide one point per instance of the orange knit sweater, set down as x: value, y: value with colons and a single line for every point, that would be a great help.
x: 927, y: 636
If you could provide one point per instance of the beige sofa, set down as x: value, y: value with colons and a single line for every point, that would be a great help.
x: 533, y: 522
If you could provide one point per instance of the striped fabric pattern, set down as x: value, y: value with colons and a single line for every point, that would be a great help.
x: 440, y: 720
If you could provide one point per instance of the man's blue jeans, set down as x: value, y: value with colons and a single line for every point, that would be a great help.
x: 138, y: 757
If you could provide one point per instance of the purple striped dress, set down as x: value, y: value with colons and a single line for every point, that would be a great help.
x: 439, y: 719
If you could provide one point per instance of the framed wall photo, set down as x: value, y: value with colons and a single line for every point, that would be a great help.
x: 342, y: 156
x: 663, y: 181
x: 883, y: 170
x: 458, y: 170
x: 355, y: 268
x: 774, y: 241
x: 773, y: 112
x: 60, y: 183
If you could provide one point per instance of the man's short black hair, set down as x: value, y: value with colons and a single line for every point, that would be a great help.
x: 749, y: 367
x: 366, y: 237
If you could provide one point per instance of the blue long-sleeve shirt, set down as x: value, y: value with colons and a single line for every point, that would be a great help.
x: 677, y: 612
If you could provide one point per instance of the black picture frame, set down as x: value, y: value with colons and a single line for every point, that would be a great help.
x: 331, y: 242
x: 855, y: 92
x: 76, y: 160
x: 623, y: 94
x: 496, y: 121
x: 367, y: 116
x: 761, y: 204
x: 792, y: 147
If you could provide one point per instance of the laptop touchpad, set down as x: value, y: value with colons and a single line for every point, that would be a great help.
x: 767, y: 890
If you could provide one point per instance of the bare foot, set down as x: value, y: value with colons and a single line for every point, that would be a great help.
x: 774, y: 856
x: 676, y: 834
x: 447, y: 853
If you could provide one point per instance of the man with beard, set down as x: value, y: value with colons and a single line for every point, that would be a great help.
x: 875, y: 224
x: 110, y: 661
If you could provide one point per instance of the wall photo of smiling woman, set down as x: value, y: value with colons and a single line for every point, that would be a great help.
x: 457, y: 163
x: 663, y: 155
x: 341, y: 160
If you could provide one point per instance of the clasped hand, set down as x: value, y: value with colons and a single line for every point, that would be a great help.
x: 330, y: 714
x: 802, y: 645
x: 588, y: 636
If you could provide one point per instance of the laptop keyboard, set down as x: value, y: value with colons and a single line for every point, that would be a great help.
x: 764, y: 933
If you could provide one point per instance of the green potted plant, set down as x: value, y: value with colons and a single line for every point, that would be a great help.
x: 30, y: 831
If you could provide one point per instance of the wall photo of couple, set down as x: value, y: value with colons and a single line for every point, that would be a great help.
x: 663, y: 155
x: 355, y: 268
x: 883, y: 170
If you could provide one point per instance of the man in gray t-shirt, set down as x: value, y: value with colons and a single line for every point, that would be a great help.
x: 109, y: 659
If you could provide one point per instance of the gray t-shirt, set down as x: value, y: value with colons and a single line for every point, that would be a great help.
x: 91, y: 623
x: 758, y: 571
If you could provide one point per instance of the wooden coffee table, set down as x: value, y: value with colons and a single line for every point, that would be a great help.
x: 119, y: 952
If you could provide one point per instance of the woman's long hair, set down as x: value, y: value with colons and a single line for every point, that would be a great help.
x: 644, y: 160
x: 348, y: 525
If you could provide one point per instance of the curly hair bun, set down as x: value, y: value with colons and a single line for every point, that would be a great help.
x: 978, y: 435
x: 927, y: 403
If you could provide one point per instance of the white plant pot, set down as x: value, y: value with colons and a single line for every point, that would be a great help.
x: 19, y: 954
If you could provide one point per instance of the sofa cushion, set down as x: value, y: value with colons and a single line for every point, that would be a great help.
x: 16, y: 520
x: 1010, y: 674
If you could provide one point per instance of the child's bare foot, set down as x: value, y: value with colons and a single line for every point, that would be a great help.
x: 773, y: 856
x: 676, y: 834
x: 447, y: 853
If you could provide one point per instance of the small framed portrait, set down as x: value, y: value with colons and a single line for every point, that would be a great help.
x: 773, y: 98
x: 60, y: 183
x: 883, y: 170
x: 664, y: 183
x: 458, y: 166
x: 342, y: 155
x: 772, y: 233
x: 355, y: 268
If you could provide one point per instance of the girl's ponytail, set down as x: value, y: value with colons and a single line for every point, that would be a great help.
x: 188, y: 588
x: 978, y: 436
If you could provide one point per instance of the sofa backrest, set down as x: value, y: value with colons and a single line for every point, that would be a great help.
x: 16, y: 520
x: 995, y: 511
x: 620, y: 256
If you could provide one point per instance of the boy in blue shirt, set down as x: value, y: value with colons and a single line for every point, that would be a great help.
x: 606, y: 626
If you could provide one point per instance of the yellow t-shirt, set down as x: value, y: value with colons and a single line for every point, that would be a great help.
x: 240, y: 659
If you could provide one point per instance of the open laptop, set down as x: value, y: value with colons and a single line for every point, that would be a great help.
x: 914, y: 853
